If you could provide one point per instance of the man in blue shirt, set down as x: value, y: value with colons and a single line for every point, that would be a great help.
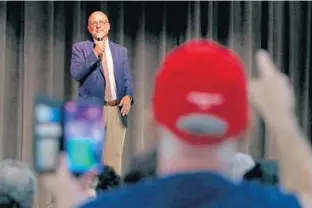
x: 201, y: 110
x: 200, y: 105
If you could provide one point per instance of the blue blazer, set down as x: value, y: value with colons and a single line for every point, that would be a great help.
x: 86, y: 69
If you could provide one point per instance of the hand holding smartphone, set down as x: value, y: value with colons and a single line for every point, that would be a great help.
x: 72, y: 127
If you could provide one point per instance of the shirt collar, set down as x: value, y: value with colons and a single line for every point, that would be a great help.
x: 106, y: 42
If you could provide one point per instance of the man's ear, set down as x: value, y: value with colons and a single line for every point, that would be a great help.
x: 89, y: 29
x: 108, y: 27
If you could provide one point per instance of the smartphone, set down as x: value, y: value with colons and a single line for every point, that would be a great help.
x: 47, y: 133
x: 84, y: 136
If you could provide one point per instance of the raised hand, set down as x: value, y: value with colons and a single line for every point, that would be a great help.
x: 271, y: 93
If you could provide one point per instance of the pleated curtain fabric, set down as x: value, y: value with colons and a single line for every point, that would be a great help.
x: 36, y: 40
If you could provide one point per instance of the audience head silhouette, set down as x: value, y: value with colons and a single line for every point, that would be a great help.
x: 17, y: 184
x: 200, y: 105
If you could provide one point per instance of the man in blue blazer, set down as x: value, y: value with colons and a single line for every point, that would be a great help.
x: 101, y: 68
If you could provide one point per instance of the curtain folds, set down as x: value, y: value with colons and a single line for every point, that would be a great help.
x: 36, y: 40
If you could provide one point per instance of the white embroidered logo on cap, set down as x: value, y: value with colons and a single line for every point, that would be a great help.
x: 205, y: 100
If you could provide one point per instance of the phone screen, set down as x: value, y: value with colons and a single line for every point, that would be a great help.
x: 47, y: 133
x: 83, y: 137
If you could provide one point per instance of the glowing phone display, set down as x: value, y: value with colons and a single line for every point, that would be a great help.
x: 83, y: 137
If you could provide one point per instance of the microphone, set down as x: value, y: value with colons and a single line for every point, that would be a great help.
x: 99, y: 37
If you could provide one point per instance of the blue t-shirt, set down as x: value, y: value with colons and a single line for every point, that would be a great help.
x: 194, y: 190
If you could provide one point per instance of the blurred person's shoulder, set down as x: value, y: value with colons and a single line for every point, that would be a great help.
x: 266, y: 195
x: 194, y: 190
x: 142, y: 193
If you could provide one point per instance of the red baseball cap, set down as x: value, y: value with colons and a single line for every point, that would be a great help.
x: 200, y: 93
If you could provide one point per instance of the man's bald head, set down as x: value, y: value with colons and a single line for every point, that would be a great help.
x: 96, y: 15
x: 98, y: 24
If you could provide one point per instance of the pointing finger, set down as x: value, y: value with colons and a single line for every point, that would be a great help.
x: 265, y: 64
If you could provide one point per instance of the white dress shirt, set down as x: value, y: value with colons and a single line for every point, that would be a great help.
x: 110, y: 66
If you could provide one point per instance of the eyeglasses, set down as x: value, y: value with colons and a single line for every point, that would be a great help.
x: 99, y: 23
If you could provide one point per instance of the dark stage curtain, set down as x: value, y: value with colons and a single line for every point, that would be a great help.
x: 36, y: 40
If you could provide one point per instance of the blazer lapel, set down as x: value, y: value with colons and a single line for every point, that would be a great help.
x: 99, y: 64
x: 114, y: 56
x: 100, y: 67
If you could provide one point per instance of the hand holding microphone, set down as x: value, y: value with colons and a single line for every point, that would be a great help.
x: 99, y: 46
